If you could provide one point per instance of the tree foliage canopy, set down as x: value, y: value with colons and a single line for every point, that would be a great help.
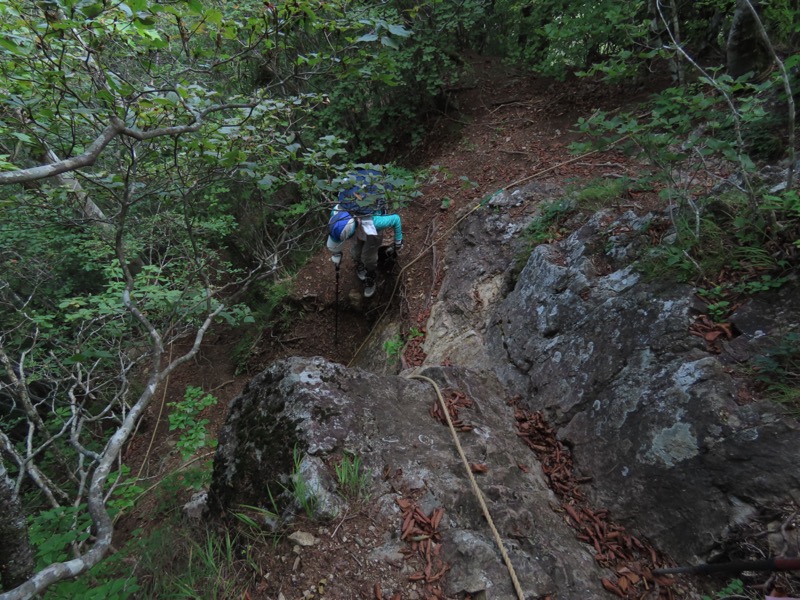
x: 158, y: 158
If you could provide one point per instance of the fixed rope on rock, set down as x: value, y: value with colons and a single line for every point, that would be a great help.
x: 498, y: 540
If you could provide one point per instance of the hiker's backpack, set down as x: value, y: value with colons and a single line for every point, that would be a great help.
x: 342, y: 225
x: 364, y: 198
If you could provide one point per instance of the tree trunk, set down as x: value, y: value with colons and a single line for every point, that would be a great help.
x: 16, y: 555
x: 746, y: 52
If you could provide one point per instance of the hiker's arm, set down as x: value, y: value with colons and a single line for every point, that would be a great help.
x: 394, y: 221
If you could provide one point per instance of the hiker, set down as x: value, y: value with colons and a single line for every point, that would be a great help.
x: 358, y: 214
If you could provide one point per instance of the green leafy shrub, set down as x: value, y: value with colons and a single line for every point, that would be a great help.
x: 542, y: 35
x: 54, y: 533
x: 185, y: 418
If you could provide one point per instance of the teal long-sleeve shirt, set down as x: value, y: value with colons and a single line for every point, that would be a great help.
x: 385, y: 221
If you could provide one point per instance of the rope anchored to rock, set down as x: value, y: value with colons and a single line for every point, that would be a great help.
x: 475, y: 488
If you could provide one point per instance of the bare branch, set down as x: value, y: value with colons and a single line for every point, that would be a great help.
x: 737, y: 121
x: 787, y: 87
x: 42, y: 482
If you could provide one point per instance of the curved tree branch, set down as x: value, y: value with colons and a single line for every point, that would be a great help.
x: 115, y: 128
x: 68, y: 164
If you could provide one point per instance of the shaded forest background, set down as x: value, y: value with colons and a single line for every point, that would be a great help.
x: 168, y: 166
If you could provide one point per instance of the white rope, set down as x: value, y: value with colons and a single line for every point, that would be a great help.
x: 475, y: 488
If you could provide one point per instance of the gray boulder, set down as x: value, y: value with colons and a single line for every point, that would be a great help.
x: 322, y: 409
x: 651, y: 415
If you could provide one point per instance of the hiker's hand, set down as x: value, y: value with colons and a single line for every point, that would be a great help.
x: 398, y: 248
x: 336, y: 258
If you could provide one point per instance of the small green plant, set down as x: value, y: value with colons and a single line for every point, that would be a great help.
x: 175, y: 486
x: 735, y: 589
x: 715, y: 293
x: 211, y: 565
x: 303, y: 494
x: 250, y: 522
x: 763, y: 284
x: 185, y: 418
x: 176, y: 561
x: 778, y: 370
x: 467, y: 183
x: 353, y: 481
x: 548, y: 226
x: 126, y: 491
x: 718, y: 311
x: 600, y: 193
x: 393, y: 347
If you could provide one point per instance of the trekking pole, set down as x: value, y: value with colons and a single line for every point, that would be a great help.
x: 770, y: 564
x: 336, y: 310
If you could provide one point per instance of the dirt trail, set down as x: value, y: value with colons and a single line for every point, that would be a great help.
x: 503, y: 127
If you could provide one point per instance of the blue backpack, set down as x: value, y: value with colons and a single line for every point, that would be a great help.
x: 341, y: 226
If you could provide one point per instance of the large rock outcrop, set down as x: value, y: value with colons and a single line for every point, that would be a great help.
x: 654, y: 418
x: 322, y: 409
x: 649, y: 413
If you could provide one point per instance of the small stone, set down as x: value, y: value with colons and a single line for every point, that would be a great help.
x: 303, y: 538
x: 296, y: 563
x: 281, y: 596
x: 296, y: 549
x: 197, y: 506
